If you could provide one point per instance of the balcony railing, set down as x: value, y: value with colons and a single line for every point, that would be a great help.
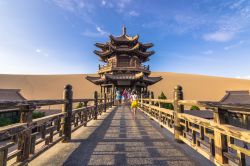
x: 121, y: 66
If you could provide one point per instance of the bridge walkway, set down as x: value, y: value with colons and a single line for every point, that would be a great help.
x: 119, y: 138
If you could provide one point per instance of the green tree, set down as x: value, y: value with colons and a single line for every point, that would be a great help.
x: 194, y: 107
x: 38, y: 114
x: 165, y: 105
x: 5, y: 121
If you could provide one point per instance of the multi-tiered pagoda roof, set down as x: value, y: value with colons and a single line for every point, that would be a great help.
x: 124, y: 44
x: 124, y: 56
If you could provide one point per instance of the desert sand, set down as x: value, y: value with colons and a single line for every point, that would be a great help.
x: 195, y: 87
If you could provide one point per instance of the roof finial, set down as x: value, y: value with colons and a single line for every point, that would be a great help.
x: 124, y: 30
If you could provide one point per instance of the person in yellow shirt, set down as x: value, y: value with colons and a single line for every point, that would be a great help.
x: 134, y: 102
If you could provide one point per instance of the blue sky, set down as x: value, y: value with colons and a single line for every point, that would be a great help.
x: 209, y: 37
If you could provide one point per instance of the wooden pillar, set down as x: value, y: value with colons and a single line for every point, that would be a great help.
x: 178, y: 95
x: 113, y: 94
x: 3, y: 156
x: 101, y: 92
x: 86, y: 113
x: 105, y: 103
x: 245, y: 121
x: 149, y: 96
x: 104, y: 89
x: 152, y: 97
x: 67, y: 108
x: 24, y: 143
x: 141, y: 100
x: 26, y: 114
x: 220, y: 140
x: 96, y: 104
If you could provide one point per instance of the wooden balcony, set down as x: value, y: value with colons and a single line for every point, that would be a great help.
x: 122, y: 67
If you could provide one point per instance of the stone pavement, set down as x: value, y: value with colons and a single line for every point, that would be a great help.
x: 117, y: 138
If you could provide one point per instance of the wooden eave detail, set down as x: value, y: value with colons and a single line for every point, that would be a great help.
x: 124, y: 38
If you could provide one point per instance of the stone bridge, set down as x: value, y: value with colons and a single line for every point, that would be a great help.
x: 120, y: 138
x: 100, y: 133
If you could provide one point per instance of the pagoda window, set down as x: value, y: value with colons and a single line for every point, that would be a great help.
x: 123, y: 60
x: 112, y: 61
x: 134, y: 61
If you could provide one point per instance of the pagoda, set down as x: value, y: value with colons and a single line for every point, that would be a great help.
x: 123, y: 68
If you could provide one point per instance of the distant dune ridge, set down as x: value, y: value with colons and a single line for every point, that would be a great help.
x: 195, y: 87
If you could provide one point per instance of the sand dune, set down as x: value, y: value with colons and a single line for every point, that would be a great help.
x: 51, y: 86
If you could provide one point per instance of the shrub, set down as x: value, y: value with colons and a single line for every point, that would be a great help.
x: 37, y: 114
x: 165, y: 105
x: 162, y: 96
x: 5, y: 121
x: 194, y: 108
x: 80, y: 105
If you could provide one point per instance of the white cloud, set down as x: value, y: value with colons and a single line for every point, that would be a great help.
x: 194, y: 58
x: 41, y: 52
x: 231, y: 24
x: 234, y: 45
x: 133, y: 13
x: 38, y: 50
x: 107, y: 3
x: 208, y: 52
x: 98, y: 33
x: 46, y: 55
x: 219, y: 36
x: 243, y: 77
x: 104, y: 2
x: 101, y: 31
x: 75, y: 6
x: 237, y: 4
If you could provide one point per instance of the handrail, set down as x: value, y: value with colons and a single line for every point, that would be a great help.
x: 16, y: 104
x: 22, y: 141
x: 233, y: 107
x: 211, y: 138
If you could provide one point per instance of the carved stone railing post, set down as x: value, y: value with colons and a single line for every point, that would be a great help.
x: 3, y: 157
x: 152, y: 97
x: 86, y: 113
x: 105, y: 103
x: 141, y: 99
x: 220, y: 140
x: 67, y: 107
x: 95, y: 105
x: 113, y: 95
x: 24, y: 142
x: 178, y: 95
x: 26, y: 114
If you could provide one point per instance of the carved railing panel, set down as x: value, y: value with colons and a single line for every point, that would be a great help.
x: 218, y: 142
x: 22, y: 142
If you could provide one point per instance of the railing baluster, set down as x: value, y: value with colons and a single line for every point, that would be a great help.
x: 178, y: 95
x: 85, y: 113
x: 95, y: 105
x: 24, y: 143
x: 105, y: 103
x: 67, y: 107
x: 3, y: 156
x: 220, y: 140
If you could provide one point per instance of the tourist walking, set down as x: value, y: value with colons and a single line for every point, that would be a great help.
x: 125, y: 96
x: 134, y: 102
x: 118, y: 97
x: 129, y: 97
